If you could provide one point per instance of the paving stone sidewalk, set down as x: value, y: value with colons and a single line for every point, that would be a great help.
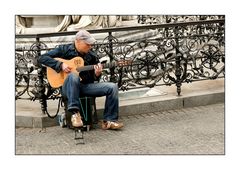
x: 197, y: 130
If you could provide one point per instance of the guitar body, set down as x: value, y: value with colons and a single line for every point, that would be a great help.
x: 55, y: 79
x: 76, y: 64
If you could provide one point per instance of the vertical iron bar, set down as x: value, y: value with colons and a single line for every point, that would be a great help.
x: 112, y: 75
x: 166, y: 29
x: 41, y: 89
x: 178, y: 63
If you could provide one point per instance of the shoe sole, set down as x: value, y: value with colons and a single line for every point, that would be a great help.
x: 115, y: 128
x: 77, y: 126
x: 80, y: 124
x: 112, y: 128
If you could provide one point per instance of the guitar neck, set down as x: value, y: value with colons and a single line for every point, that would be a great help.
x: 91, y: 67
x: 85, y: 68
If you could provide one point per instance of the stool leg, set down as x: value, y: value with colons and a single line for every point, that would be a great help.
x: 79, y: 139
x: 95, y: 117
x: 88, y: 128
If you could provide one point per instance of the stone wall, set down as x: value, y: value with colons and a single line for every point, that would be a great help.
x: 34, y: 24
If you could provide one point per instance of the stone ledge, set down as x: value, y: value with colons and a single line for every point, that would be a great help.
x: 139, y: 107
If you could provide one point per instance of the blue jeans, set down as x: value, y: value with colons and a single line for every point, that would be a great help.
x: 73, y: 89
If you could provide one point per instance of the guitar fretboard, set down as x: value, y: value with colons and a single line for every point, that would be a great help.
x: 91, y: 67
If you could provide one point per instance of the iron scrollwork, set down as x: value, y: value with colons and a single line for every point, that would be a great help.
x: 173, y: 54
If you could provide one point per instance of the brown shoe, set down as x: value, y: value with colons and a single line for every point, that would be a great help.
x: 111, y: 125
x: 76, y: 120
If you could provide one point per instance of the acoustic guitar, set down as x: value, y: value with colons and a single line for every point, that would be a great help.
x: 56, y: 80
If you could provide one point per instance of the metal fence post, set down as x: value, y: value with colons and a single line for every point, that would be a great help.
x: 178, y: 63
x: 41, y: 88
x: 112, y: 74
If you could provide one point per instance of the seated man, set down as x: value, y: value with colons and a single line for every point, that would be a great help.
x: 83, y: 84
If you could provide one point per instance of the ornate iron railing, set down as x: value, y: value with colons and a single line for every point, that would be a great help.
x: 164, y: 54
x: 163, y: 19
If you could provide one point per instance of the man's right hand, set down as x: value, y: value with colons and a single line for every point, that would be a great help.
x: 66, y: 68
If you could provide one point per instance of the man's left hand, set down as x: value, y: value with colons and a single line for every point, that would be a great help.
x: 98, y: 69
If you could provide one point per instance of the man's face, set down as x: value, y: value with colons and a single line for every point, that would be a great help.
x: 82, y: 46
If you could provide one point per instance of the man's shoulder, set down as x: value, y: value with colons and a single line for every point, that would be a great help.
x: 66, y: 46
x: 68, y: 50
x: 91, y: 57
x: 92, y: 53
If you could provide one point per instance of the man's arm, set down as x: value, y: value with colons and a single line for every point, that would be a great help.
x: 48, y: 60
